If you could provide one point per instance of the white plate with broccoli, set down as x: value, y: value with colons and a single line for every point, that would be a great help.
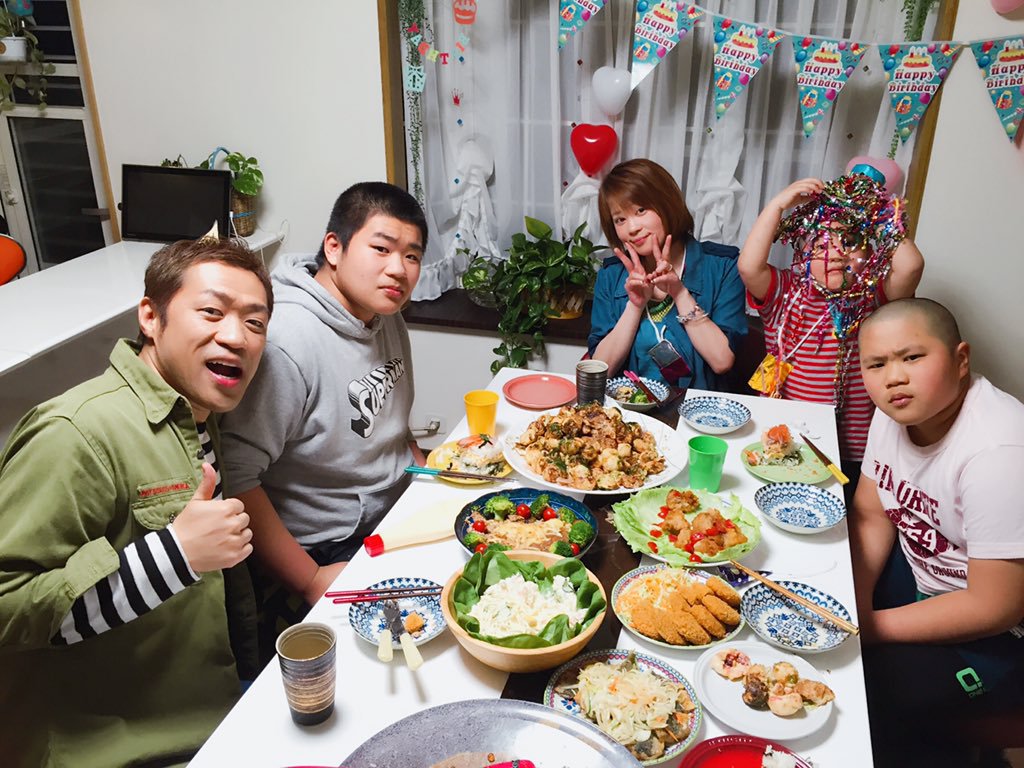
x: 526, y: 518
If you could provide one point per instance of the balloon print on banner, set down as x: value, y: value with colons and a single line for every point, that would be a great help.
x: 1002, y: 66
x: 573, y: 15
x: 740, y: 52
x: 822, y: 68
x: 658, y: 30
x: 914, y: 72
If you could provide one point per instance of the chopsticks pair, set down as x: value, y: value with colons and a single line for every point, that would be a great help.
x: 376, y: 595
x: 642, y: 387
x: 414, y: 470
x: 814, y: 608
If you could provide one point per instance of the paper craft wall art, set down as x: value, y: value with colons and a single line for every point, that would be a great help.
x: 914, y: 72
x: 658, y: 30
x: 740, y: 52
x: 574, y: 14
x: 1002, y: 65
x: 822, y: 68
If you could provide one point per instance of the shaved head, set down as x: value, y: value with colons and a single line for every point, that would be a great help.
x: 938, y: 320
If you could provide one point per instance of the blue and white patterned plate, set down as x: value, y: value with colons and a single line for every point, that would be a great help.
x: 799, y: 508
x: 789, y: 625
x: 367, y: 619
x: 714, y: 415
x: 569, y: 673
x: 657, y: 387
x: 692, y: 574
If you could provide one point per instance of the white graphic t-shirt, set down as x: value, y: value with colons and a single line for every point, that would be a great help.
x: 961, y: 497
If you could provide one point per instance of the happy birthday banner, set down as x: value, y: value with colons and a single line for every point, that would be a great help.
x: 914, y: 72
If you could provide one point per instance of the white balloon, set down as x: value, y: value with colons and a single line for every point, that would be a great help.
x: 612, y: 89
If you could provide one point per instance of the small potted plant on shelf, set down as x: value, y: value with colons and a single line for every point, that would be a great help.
x: 543, y: 278
x: 22, y: 61
x: 246, y: 183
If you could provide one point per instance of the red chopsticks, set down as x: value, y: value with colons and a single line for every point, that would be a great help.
x: 374, y: 595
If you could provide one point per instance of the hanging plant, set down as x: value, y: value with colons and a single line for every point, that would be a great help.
x: 412, y: 13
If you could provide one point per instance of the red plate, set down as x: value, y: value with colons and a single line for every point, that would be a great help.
x: 733, y: 752
x: 539, y: 391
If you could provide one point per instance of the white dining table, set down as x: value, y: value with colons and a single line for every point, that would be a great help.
x: 371, y: 695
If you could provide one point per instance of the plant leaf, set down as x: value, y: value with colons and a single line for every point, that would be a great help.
x: 537, y: 228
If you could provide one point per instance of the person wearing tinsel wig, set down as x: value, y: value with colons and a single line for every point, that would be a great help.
x: 851, y: 254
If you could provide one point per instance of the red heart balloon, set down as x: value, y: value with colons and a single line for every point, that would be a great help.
x: 593, y: 146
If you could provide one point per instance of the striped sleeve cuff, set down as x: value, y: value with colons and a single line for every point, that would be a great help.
x: 151, y: 571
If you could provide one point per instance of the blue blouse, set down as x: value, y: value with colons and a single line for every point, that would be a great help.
x: 713, y: 280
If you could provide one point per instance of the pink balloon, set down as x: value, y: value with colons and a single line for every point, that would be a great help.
x: 1007, y: 6
x: 744, y: 78
x: 888, y: 168
x: 830, y: 94
x: 924, y: 98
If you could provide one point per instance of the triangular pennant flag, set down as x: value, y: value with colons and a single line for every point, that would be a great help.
x: 573, y: 15
x: 823, y: 66
x: 914, y: 73
x: 657, y: 32
x: 740, y: 52
x: 1002, y: 65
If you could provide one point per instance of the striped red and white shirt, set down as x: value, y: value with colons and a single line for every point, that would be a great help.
x: 810, y: 345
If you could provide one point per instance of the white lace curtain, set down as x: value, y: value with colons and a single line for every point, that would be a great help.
x: 503, y: 151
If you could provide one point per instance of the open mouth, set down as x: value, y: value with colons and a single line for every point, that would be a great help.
x: 228, y: 375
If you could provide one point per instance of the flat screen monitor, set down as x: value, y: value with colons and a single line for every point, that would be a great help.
x: 167, y: 204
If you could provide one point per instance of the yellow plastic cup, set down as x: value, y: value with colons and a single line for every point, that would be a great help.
x: 481, y: 411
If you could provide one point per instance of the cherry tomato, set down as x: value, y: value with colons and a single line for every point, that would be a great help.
x: 655, y: 532
x: 523, y: 510
x: 575, y: 548
x: 730, y: 524
x: 696, y: 559
x: 653, y: 546
x: 695, y: 537
x: 663, y: 513
x: 689, y: 547
x: 480, y: 526
x: 549, y: 513
x: 481, y: 547
x: 673, y: 538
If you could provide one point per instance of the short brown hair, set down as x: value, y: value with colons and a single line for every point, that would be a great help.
x: 167, y: 268
x: 645, y: 183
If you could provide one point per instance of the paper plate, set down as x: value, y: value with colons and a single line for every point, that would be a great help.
x: 724, y: 698
x: 734, y: 751
x: 810, y: 470
x: 787, y: 624
x: 367, y: 619
x: 539, y: 391
x: 434, y: 462
x: 799, y: 508
x: 714, y: 415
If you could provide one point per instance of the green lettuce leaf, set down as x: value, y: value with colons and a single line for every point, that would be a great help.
x: 636, y: 516
x: 486, y: 569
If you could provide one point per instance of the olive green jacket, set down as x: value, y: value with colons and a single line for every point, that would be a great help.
x: 82, y: 476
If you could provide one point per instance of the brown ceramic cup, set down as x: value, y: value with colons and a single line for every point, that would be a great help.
x: 306, y: 653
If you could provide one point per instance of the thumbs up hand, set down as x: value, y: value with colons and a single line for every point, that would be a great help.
x: 213, y: 534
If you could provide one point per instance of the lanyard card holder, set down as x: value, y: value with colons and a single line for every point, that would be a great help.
x: 671, y: 364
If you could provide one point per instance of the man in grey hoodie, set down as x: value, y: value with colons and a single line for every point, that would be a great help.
x: 317, y: 448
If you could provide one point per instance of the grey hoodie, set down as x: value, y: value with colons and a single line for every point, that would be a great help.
x: 325, y: 423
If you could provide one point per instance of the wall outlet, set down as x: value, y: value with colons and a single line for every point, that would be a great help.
x: 435, y: 424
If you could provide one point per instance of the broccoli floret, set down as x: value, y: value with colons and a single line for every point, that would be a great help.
x: 581, y: 532
x: 495, y: 546
x: 472, y: 539
x: 476, y: 509
x: 499, y: 506
x: 537, y: 506
x: 566, y: 515
x: 562, y: 548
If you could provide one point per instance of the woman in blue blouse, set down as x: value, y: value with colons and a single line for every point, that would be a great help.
x: 665, y: 306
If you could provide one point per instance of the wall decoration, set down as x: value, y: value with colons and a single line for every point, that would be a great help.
x: 1002, y: 66
x: 593, y: 146
x: 740, y: 52
x: 823, y: 66
x: 914, y: 72
x: 658, y: 30
x: 573, y: 15
x: 611, y: 89
x: 464, y: 11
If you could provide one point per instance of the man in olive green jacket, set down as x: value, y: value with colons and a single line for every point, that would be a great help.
x: 116, y: 549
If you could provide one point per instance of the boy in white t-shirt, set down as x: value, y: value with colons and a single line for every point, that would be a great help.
x: 943, y: 474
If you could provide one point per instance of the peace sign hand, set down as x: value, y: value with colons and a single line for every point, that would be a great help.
x: 638, y: 286
x: 664, y: 277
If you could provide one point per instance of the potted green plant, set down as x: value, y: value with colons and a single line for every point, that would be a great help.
x: 246, y: 183
x: 19, y: 46
x: 543, y: 278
